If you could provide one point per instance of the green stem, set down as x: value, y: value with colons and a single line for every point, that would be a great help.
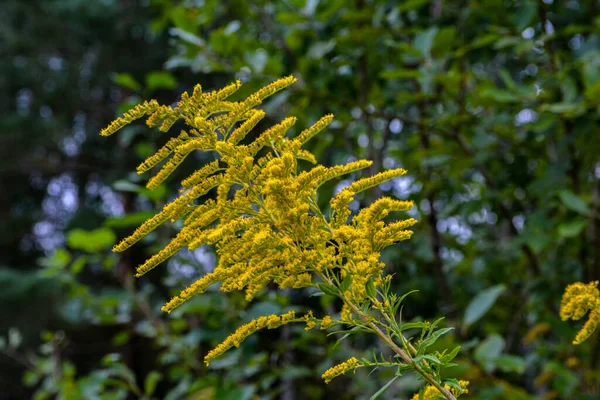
x: 390, y: 342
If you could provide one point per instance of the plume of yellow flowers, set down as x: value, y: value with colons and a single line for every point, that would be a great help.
x: 340, y: 369
x: 578, y: 299
x: 257, y: 206
x: 265, y: 223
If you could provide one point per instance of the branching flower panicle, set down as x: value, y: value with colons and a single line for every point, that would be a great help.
x: 266, y: 226
x: 578, y: 299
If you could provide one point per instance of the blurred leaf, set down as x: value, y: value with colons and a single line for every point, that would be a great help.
x: 151, y: 381
x: 489, y: 350
x: 482, y: 303
x: 319, y: 49
x: 524, y: 14
x: 187, y: 37
x: 572, y: 228
x: 14, y: 338
x: 160, y: 80
x: 574, y: 202
x: 401, y: 74
x: 91, y: 241
x: 444, y: 41
x: 127, y: 81
x: 384, y: 388
x: 346, y: 282
x: 509, y: 363
x: 424, y: 41
x: 411, y: 5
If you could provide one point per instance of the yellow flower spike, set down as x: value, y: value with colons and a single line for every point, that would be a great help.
x: 340, y: 170
x: 160, y: 114
x: 340, y: 369
x: 240, y: 133
x: 589, y: 327
x: 306, y: 155
x: 137, y: 112
x: 271, y: 134
x: 578, y: 299
x: 147, y: 227
x: 170, y: 166
x: 202, y: 188
x: 393, y: 233
x: 241, y: 333
x: 366, y: 183
x: 536, y: 331
x: 269, y: 90
x: 204, y: 125
x: 310, y: 320
x: 196, y: 96
x: 168, y: 122
x: 201, y: 174
x: 197, y: 287
x: 317, y: 127
x: 380, y: 208
x: 162, y: 153
x: 258, y: 97
x: 176, y: 244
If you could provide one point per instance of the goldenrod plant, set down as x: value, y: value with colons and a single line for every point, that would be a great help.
x: 578, y: 299
x: 267, y: 227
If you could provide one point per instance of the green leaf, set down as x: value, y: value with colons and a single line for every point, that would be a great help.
x: 151, y: 381
x: 384, y: 388
x: 346, y: 282
x: 412, y: 325
x: 572, y: 228
x: 328, y: 289
x: 444, y: 41
x: 450, y: 356
x: 14, y: 338
x: 501, y: 96
x: 574, y: 202
x: 424, y: 41
x: 490, y: 348
x: 160, y: 80
x: 319, y: 49
x: 371, y: 291
x: 411, y: 5
x: 482, y: 303
x: 523, y: 15
x: 435, y: 336
x: 187, y: 37
x: 401, y: 73
x: 127, y: 81
x: 568, y: 110
x: 91, y: 241
x: 510, y: 363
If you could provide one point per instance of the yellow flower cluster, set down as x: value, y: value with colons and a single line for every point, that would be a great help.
x: 263, y: 219
x: 431, y: 393
x: 536, y: 331
x: 326, y: 322
x: 578, y: 299
x: 340, y: 369
x: 235, y: 339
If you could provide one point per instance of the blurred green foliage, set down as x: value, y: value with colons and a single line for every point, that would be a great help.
x: 492, y: 106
